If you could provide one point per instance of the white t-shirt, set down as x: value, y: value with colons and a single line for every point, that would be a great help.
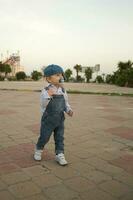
x: 45, y: 98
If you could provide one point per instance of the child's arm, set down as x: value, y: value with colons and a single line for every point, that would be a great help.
x: 69, y: 110
x: 44, y: 99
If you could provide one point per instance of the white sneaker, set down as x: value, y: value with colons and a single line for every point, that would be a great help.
x: 38, y: 154
x: 60, y: 158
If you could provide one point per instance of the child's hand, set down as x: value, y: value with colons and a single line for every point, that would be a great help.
x: 70, y: 113
x: 51, y: 91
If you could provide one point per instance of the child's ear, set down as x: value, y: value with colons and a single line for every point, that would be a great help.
x: 48, y: 79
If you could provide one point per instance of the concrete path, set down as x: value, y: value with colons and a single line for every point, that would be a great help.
x: 98, y: 147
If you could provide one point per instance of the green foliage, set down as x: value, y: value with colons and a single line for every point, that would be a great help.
x: 124, y: 74
x: 35, y: 75
x: 72, y: 79
x: 110, y: 79
x: 130, y: 78
x: 99, y: 79
x: 121, y: 80
x: 2, y: 68
x: 88, y: 74
x: 80, y: 79
x: 68, y: 74
x: 5, y: 68
x: 78, y: 69
x: 20, y: 75
x: 12, y: 79
x: 1, y: 78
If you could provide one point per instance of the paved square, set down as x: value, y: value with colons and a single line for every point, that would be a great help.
x: 98, y: 147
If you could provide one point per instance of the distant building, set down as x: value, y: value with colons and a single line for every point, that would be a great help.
x: 96, y: 68
x: 14, y: 62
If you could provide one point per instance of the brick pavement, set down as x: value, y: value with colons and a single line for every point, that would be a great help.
x: 98, y: 144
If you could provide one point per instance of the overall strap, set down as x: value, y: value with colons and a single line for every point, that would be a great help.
x: 47, y: 88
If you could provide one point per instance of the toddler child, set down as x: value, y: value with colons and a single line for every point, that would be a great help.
x: 54, y: 102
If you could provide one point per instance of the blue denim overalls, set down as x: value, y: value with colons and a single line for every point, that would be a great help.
x: 53, y: 120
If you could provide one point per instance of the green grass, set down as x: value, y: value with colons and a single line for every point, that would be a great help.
x: 76, y: 92
x: 99, y: 93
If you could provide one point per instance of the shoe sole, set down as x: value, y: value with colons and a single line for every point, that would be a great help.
x: 36, y: 159
x: 60, y: 163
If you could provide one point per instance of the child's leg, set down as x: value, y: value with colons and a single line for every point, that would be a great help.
x: 45, y: 133
x: 59, y: 144
x: 59, y: 138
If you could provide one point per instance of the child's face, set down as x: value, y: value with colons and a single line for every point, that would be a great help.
x: 54, y: 79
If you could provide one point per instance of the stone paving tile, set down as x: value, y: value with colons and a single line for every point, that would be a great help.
x: 34, y: 128
x: 4, y: 158
x: 123, y: 132
x: 96, y: 194
x: 111, y: 110
x: 36, y: 171
x: 20, y: 156
x: 125, y: 178
x: 8, y: 168
x: 110, y: 155
x: 125, y: 162
x: 7, y: 112
x: 97, y: 176
x: 80, y: 153
x: 37, y: 197
x: 50, y: 165
x: 15, y: 177
x: 23, y: 163
x: 71, y: 158
x: 79, y: 184
x: 128, y: 196
x: 104, y: 166
x: 115, y: 118
x: 2, y: 185
x: 5, y: 195
x: 46, y: 180
x: 65, y: 172
x: 61, y: 192
x: 128, y: 123
x: 24, y: 189
x: 115, y: 188
x: 81, y: 167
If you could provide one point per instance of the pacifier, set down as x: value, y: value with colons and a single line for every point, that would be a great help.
x: 61, y: 80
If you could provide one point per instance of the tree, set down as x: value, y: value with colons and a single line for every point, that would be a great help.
x: 1, y: 67
x: 122, y: 66
x: 99, y: 79
x: 78, y: 69
x: 35, y: 75
x: 81, y: 79
x: 130, y: 78
x: 123, y: 76
x: 88, y: 74
x: 68, y: 74
x: 109, y: 79
x: 7, y: 69
x: 20, y: 75
x: 103, y: 75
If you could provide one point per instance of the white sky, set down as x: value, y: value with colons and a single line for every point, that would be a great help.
x: 67, y: 32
